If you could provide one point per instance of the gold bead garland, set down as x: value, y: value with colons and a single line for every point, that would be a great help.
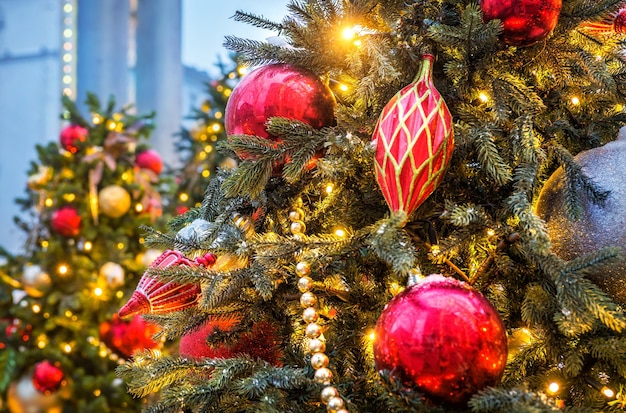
x: 317, y: 346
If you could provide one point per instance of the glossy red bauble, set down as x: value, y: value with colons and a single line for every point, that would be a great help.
x: 260, y: 342
x: 72, y: 134
x: 47, y: 377
x: 151, y: 160
x: 524, y: 22
x: 66, y: 221
x: 442, y: 338
x: 277, y: 90
x: 125, y: 337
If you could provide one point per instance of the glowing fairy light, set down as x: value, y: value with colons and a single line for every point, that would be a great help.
x: 553, y: 387
x: 329, y: 188
x: 483, y: 97
x: 349, y: 33
x: 575, y: 101
x: 63, y: 269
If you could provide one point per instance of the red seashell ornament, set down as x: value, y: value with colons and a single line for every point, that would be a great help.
x: 524, y: 22
x: 66, y: 221
x: 72, y: 134
x: 157, y: 297
x: 612, y: 23
x: 47, y: 377
x: 414, y: 141
x: 443, y: 338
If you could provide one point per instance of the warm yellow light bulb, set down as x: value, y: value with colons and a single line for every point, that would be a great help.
x: 97, y: 392
x: 608, y: 392
x: 67, y: 8
x: 343, y: 87
x: 63, y: 269
x: 242, y: 70
x: 371, y: 336
x: 98, y: 292
x: 138, y: 207
x: 348, y: 33
x: 208, y: 148
x: 575, y: 101
x: 491, y: 232
x: 67, y: 348
x: 111, y: 125
x: 49, y: 202
x: 216, y: 127
x: 44, y: 244
x: 96, y: 119
x: 218, y: 115
x: 553, y: 387
x: 120, y: 245
x: 206, y: 173
x: 340, y: 232
x: 483, y: 97
x: 36, y: 308
x: 329, y: 188
x: 184, y: 197
x: 119, y: 294
x: 87, y: 246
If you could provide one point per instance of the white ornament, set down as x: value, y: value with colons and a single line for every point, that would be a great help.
x: 194, y: 231
x: 149, y: 256
x: 33, y: 276
x: 22, y: 397
x: 113, y: 273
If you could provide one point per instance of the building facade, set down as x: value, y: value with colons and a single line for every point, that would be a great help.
x: 129, y: 49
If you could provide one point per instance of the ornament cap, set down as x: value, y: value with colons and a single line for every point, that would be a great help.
x: 138, y: 304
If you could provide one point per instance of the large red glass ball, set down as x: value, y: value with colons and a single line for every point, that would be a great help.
x: 72, y: 134
x: 278, y: 90
x: 66, y: 221
x: 47, y: 377
x: 443, y: 338
x: 524, y: 22
x: 124, y: 337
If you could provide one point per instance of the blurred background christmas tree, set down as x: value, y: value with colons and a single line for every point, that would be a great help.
x: 88, y: 196
x: 197, y: 145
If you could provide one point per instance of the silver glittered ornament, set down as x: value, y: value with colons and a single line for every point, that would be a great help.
x: 599, y: 226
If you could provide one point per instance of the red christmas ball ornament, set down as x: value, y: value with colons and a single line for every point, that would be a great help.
x: 414, y: 141
x: 151, y: 160
x: 524, y: 22
x: 124, y: 337
x: 278, y: 90
x: 72, y: 134
x: 66, y: 221
x: 157, y: 297
x: 443, y: 338
x: 47, y: 377
x: 260, y: 342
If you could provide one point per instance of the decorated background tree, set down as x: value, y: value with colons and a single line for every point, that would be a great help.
x: 88, y: 195
x: 197, y: 145
x: 388, y: 242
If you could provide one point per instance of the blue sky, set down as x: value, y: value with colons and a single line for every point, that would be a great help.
x: 206, y: 22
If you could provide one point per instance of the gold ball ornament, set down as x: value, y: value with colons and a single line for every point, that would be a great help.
x: 113, y: 273
x: 23, y: 397
x: 599, y: 225
x: 114, y: 201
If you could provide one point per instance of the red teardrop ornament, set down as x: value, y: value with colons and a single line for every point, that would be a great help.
x: 414, y: 141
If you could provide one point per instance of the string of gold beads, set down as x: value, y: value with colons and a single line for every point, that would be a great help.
x: 317, y: 345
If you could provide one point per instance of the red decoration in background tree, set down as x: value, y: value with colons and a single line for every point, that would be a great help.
x: 277, y: 90
x: 260, y: 342
x: 66, y: 221
x: 72, y: 134
x: 442, y: 337
x: 125, y: 337
x: 157, y: 297
x: 47, y: 377
x: 414, y: 142
x: 151, y: 160
x: 524, y: 22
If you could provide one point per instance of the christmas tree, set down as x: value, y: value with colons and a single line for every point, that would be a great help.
x: 388, y: 241
x: 197, y: 145
x: 88, y: 195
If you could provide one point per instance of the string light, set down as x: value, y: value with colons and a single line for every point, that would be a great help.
x: 138, y: 208
x: 491, y: 232
x: 98, y: 292
x: 206, y: 173
x: 329, y: 188
x: 609, y: 393
x: 483, y: 97
x: 340, y: 232
x: 63, y: 269
x: 575, y: 101
x: 553, y: 387
x: 68, y: 56
x: 87, y: 246
x: 49, y: 202
x: 120, y: 245
x: 184, y: 197
x: 343, y: 87
x: 36, y: 308
x: 67, y: 348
